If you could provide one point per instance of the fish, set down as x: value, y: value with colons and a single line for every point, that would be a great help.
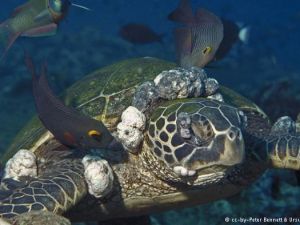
x: 67, y: 125
x: 199, y: 37
x: 35, y: 18
x: 233, y: 33
x: 139, y: 34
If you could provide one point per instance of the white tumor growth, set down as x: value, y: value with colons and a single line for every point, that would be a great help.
x: 98, y: 175
x: 23, y: 163
x: 130, y: 129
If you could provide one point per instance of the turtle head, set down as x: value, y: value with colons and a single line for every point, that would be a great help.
x: 208, y: 143
x: 194, y: 134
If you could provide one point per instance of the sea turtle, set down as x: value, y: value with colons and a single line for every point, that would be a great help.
x: 194, y: 149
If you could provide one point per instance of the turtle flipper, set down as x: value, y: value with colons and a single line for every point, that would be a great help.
x: 61, y: 184
x: 284, y: 151
x: 283, y: 144
x: 56, y: 190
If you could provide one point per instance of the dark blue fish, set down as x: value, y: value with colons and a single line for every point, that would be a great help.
x: 66, y: 124
x: 139, y: 34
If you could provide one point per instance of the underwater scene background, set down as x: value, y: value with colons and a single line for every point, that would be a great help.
x: 266, y: 69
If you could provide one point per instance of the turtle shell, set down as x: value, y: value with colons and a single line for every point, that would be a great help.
x: 106, y: 93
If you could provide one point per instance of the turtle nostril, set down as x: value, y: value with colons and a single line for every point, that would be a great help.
x: 232, y: 135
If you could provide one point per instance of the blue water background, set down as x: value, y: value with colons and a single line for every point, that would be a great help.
x: 274, y: 23
x: 273, y: 52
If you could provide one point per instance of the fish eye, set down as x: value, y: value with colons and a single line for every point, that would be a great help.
x: 59, y: 6
x: 207, y: 50
x: 95, y: 134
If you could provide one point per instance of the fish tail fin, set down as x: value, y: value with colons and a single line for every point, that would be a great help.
x: 32, y: 70
x: 244, y: 34
x: 44, y: 70
x: 7, y: 38
x: 30, y: 66
x: 183, y: 13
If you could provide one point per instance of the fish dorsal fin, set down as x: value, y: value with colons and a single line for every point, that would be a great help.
x: 183, y: 13
x: 7, y: 38
x: 47, y: 30
x: 20, y: 9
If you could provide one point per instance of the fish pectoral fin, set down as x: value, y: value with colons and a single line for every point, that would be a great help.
x: 47, y: 30
x: 44, y: 16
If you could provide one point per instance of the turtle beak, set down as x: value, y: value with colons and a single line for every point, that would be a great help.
x: 234, y: 148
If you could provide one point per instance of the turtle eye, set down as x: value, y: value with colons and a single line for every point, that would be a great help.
x: 201, y: 127
x: 59, y: 6
x: 95, y: 135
